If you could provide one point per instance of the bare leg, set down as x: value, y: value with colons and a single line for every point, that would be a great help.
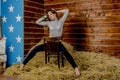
x: 21, y: 66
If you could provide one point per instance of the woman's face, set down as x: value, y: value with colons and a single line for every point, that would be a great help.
x: 51, y: 16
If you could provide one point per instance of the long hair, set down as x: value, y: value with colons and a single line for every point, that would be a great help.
x: 52, y: 11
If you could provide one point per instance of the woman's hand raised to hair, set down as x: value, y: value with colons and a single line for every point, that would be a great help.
x: 41, y: 19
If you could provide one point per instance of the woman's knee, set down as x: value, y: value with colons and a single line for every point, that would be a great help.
x: 38, y: 48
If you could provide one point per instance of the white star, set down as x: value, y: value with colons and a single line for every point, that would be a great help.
x: 11, y: 28
x: 10, y: 8
x: 4, y: 1
x: 4, y: 37
x: 11, y: 48
x: 18, y: 18
x: 18, y: 39
x: 4, y: 19
x: 19, y: 59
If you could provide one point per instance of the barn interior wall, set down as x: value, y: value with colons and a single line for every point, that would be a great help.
x: 92, y: 25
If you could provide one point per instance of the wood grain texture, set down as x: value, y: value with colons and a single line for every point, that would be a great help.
x: 92, y: 25
x: 33, y: 9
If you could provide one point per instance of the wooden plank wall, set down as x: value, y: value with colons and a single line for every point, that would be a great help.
x: 33, y: 9
x: 92, y: 25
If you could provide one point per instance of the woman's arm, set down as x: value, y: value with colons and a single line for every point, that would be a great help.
x: 65, y: 11
x: 41, y: 21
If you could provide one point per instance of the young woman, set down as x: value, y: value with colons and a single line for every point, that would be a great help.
x: 55, y: 31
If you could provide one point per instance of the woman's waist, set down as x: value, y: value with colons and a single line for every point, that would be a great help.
x: 53, y: 38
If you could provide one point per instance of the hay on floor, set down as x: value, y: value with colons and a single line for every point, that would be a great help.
x: 93, y: 66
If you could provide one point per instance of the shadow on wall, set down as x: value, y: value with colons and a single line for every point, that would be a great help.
x: 75, y: 30
x: 84, y: 29
x: 99, y: 24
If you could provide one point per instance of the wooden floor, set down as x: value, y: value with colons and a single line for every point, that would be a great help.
x: 2, y: 77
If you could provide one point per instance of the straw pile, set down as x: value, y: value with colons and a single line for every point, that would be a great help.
x: 93, y: 66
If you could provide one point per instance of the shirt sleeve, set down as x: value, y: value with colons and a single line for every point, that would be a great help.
x: 66, y: 11
x: 43, y: 23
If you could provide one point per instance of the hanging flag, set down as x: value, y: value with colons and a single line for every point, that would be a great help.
x: 12, y: 30
x: 0, y: 7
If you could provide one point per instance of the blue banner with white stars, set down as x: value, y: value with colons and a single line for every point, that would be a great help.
x: 0, y: 7
x: 12, y: 30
